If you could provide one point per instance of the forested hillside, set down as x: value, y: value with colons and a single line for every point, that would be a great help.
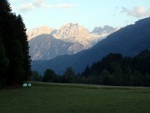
x: 14, y: 51
x: 114, y: 69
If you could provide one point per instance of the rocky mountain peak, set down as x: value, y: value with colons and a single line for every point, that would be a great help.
x: 104, y: 30
x: 38, y: 31
x: 71, y: 30
x: 70, y: 24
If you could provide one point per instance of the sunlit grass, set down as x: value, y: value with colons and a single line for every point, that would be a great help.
x: 72, y: 98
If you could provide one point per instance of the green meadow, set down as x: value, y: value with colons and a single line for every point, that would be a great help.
x: 75, y: 98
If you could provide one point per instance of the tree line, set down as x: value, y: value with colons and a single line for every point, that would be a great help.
x: 14, y: 50
x: 51, y: 76
x: 114, y: 69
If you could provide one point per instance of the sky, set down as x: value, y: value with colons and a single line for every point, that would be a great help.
x: 88, y: 13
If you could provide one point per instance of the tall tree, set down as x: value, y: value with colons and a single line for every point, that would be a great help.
x: 49, y: 76
x: 6, y: 30
x: 105, y: 78
x: 35, y: 76
x: 3, y: 64
x: 22, y: 37
x: 69, y: 75
x: 16, y: 70
x: 16, y: 45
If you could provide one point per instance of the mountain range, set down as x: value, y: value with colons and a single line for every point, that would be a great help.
x: 47, y: 43
x: 128, y: 41
x: 104, y: 30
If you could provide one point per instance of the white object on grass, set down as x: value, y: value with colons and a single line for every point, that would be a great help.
x: 24, y: 85
x: 29, y: 84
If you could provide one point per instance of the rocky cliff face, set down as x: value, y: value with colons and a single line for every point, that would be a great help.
x: 75, y: 33
x: 70, y: 30
x: 47, y: 43
x: 45, y: 47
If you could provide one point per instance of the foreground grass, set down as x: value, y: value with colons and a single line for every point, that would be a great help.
x: 70, y: 98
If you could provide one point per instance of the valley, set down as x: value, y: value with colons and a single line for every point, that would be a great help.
x: 128, y: 41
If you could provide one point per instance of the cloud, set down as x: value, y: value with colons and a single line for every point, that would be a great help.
x: 26, y: 7
x: 29, y: 6
x: 62, y: 6
x: 49, y: 6
x: 65, y: 5
x: 126, y: 21
x: 12, y: 1
x: 41, y: 4
x: 138, y: 12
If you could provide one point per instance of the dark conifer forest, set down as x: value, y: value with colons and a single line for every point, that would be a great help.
x: 114, y: 69
x: 14, y: 50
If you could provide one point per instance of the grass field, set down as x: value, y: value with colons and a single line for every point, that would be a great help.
x: 70, y: 98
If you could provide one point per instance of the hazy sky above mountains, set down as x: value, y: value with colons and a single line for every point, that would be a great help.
x: 89, y: 13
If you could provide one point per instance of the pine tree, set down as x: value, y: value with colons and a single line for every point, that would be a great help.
x: 5, y: 22
x: 4, y: 7
x: 69, y: 75
x: 22, y: 37
x: 16, y: 71
x: 15, y: 44
x: 49, y: 76
x: 3, y: 64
